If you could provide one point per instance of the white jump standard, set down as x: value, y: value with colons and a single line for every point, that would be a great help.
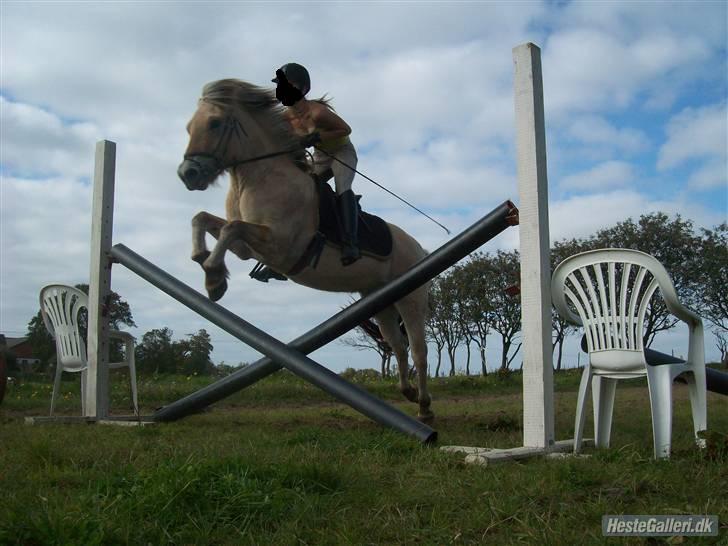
x: 538, y: 387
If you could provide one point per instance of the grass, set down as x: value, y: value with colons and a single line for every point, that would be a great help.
x: 282, y: 463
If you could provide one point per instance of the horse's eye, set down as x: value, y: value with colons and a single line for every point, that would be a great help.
x: 214, y: 124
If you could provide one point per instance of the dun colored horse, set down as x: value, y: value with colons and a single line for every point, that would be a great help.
x: 272, y: 216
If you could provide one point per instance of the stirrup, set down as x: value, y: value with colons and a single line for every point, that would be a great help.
x: 263, y: 273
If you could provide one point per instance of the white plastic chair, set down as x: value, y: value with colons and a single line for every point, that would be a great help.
x: 60, y: 307
x: 610, y: 290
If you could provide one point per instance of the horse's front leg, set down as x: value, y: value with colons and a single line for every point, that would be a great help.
x: 239, y: 235
x: 204, y: 223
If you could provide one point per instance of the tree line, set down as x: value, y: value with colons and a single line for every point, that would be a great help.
x: 477, y: 299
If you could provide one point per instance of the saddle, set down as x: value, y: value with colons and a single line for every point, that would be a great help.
x: 375, y: 237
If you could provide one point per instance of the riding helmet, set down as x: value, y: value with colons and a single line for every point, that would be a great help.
x: 297, y: 75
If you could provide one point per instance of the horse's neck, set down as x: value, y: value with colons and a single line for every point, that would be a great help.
x: 272, y: 191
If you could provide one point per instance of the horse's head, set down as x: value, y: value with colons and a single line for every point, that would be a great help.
x: 215, y: 138
x: 235, y: 121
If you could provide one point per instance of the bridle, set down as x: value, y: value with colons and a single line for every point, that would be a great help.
x: 209, y: 163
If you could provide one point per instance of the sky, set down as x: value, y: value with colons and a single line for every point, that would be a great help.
x: 635, y: 105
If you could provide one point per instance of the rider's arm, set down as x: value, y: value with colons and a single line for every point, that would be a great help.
x: 329, y: 125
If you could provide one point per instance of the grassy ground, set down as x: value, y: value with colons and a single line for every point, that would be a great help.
x: 284, y: 464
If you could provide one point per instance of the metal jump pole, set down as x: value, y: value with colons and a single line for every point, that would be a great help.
x: 457, y: 248
x: 292, y: 359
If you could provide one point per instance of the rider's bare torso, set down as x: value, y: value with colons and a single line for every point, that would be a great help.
x: 307, y: 116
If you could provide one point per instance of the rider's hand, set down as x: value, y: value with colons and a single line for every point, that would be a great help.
x: 311, y: 139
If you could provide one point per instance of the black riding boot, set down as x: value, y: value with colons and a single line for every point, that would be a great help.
x: 349, y: 223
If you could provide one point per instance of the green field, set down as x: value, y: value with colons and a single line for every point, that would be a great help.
x: 284, y: 464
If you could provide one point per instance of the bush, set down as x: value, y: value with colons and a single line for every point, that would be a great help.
x: 361, y: 376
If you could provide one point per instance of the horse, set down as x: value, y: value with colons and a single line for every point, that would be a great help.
x: 272, y: 216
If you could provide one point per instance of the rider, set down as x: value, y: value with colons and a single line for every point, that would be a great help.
x: 317, y: 123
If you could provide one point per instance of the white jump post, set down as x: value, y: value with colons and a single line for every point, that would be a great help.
x: 538, y: 387
x: 102, y: 221
x: 538, y: 383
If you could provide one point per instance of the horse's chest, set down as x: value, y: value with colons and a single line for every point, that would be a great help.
x: 257, y: 207
x: 243, y: 209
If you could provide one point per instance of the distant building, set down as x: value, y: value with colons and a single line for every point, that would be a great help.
x: 20, y: 348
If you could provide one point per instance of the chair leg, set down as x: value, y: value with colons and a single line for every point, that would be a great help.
x: 84, y: 380
x: 659, y: 380
x: 133, y: 382
x: 56, y: 386
x: 698, y: 403
x: 581, y: 408
x: 603, y: 391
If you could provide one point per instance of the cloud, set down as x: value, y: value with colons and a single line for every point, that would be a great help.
x: 611, y: 174
x: 598, y: 132
x: 713, y: 174
x: 37, y: 142
x: 583, y: 215
x: 44, y: 239
x: 695, y: 133
x: 590, y: 69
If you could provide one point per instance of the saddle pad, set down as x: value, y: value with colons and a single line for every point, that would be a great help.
x: 375, y: 238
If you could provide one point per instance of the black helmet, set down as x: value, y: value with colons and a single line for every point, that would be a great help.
x: 296, y: 75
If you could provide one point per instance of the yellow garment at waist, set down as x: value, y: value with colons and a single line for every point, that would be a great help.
x: 333, y: 144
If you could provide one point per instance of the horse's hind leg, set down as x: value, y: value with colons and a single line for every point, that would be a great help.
x: 413, y: 310
x: 388, y: 321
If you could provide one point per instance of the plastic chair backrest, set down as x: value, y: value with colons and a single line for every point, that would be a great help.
x: 60, y: 306
x: 610, y: 290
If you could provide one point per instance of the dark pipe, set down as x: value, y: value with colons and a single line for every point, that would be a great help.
x: 716, y: 381
x: 299, y: 364
x: 432, y: 265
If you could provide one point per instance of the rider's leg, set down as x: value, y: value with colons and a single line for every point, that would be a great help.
x: 348, y: 203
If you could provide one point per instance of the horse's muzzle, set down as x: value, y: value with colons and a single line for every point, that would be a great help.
x: 197, y: 172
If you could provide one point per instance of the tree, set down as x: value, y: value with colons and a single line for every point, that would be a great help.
x: 476, y: 308
x: 444, y: 315
x: 156, y: 353
x: 505, y: 310
x: 432, y: 331
x: 673, y: 243
x: 711, y: 270
x: 195, y: 353
x: 368, y: 337
x: 560, y: 327
x: 712, y: 273
x: 41, y: 340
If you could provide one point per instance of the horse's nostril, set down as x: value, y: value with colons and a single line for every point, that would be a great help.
x: 191, y: 174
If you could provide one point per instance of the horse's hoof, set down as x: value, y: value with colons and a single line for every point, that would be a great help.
x: 410, y: 393
x: 427, y: 418
x: 218, y: 291
x: 200, y: 257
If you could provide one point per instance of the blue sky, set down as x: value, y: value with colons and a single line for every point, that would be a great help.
x: 635, y: 96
